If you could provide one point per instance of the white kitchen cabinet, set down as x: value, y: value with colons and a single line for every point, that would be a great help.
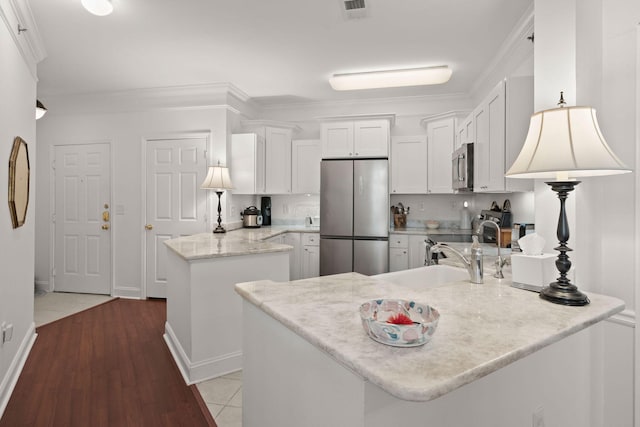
x: 310, y: 255
x: 305, y: 166
x: 277, y: 160
x: 500, y: 123
x: 247, y: 163
x: 398, y: 252
x: 417, y: 250
x: 465, y: 131
x: 356, y: 138
x: 409, y: 164
x: 440, y: 146
x: 293, y: 239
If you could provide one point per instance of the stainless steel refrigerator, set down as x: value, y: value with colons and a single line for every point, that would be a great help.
x: 354, y: 216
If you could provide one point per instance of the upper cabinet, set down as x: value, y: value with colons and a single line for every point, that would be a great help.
x: 305, y: 166
x: 358, y: 136
x: 408, y: 164
x: 441, y: 135
x: 261, y: 160
x: 247, y: 163
x: 498, y: 127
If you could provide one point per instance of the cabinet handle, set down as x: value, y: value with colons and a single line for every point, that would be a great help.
x: 350, y: 154
x: 356, y: 154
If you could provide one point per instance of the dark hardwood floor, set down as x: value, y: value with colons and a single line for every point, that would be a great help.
x: 106, y: 366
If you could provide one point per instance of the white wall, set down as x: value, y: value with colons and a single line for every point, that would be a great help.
x: 17, y: 109
x: 125, y: 132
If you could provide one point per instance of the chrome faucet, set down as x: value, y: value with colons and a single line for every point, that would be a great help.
x: 499, y: 262
x: 429, y: 258
x: 473, y: 265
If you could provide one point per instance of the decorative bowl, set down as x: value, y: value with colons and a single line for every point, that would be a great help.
x: 431, y: 224
x: 387, y: 321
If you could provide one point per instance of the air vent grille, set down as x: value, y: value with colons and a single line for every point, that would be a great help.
x: 354, y: 4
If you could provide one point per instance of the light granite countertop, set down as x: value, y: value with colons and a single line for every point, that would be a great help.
x: 482, y: 328
x: 431, y: 231
x: 243, y: 241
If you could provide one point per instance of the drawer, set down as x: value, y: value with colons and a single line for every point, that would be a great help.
x: 398, y: 241
x: 310, y: 239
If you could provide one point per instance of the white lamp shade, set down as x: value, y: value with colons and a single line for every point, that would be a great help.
x: 98, y: 7
x: 565, y: 142
x: 391, y: 78
x: 40, y: 110
x: 217, y: 179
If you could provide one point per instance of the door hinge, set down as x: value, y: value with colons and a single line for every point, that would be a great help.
x: 53, y: 218
x: 53, y: 272
x: 205, y: 154
x: 53, y: 164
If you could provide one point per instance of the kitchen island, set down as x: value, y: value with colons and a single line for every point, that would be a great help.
x: 499, y: 355
x: 204, y: 314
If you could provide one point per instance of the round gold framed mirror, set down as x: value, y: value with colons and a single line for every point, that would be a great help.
x: 18, y: 182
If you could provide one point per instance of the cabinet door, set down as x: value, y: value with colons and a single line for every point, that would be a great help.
x: 371, y: 138
x: 489, y: 121
x: 337, y: 139
x: 247, y: 163
x: 305, y: 166
x: 293, y: 239
x: 441, y: 136
x: 417, y: 250
x: 310, y: 261
x: 398, y: 259
x: 277, y: 161
x: 519, y: 108
x: 409, y: 164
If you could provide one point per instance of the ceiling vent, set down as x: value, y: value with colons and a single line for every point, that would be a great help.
x: 354, y: 9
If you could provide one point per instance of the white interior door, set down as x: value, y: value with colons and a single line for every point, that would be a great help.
x: 175, y: 204
x: 82, y: 251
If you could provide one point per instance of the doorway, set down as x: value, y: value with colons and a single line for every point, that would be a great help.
x: 82, y: 223
x: 174, y: 204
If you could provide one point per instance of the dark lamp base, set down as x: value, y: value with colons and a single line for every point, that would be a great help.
x: 219, y: 229
x: 555, y: 294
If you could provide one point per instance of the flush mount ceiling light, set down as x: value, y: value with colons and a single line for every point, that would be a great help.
x: 391, y: 78
x: 98, y: 7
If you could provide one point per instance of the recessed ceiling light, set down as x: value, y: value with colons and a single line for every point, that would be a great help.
x: 391, y: 78
x: 98, y: 7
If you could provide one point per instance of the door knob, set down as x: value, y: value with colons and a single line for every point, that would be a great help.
x: 148, y: 227
x: 105, y: 226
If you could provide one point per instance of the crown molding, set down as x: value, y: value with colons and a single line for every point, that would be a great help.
x: 270, y: 123
x: 445, y: 115
x: 18, y: 18
x: 190, y: 97
x: 523, y: 28
x: 378, y: 116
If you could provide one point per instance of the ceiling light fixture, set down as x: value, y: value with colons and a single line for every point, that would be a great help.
x: 391, y: 78
x: 98, y: 7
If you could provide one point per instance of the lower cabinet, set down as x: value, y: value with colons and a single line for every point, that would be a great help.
x: 406, y: 251
x: 293, y: 239
x: 310, y: 255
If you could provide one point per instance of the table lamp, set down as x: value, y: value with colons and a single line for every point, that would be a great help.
x: 218, y: 179
x: 562, y: 144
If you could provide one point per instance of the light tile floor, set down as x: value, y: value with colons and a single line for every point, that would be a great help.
x: 222, y: 395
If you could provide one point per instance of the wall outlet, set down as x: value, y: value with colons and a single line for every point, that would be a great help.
x: 538, y: 417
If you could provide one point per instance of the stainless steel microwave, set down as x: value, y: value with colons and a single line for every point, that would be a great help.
x: 462, y: 168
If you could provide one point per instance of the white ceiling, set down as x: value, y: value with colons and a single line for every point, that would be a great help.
x: 274, y: 50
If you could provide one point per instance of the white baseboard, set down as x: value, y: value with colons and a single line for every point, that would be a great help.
x: 127, y: 292
x: 204, y: 370
x: 11, y: 378
x: 43, y: 286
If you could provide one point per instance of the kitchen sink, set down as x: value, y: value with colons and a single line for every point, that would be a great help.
x: 425, y: 277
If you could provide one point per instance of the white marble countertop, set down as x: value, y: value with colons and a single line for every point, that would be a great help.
x: 243, y: 241
x: 482, y: 328
x: 432, y: 231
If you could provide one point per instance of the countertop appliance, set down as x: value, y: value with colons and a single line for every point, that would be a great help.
x: 251, y: 217
x: 354, y: 216
x: 462, y: 168
x: 503, y: 219
x: 265, y: 209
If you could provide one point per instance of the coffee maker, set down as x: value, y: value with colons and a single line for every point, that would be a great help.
x: 265, y: 208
